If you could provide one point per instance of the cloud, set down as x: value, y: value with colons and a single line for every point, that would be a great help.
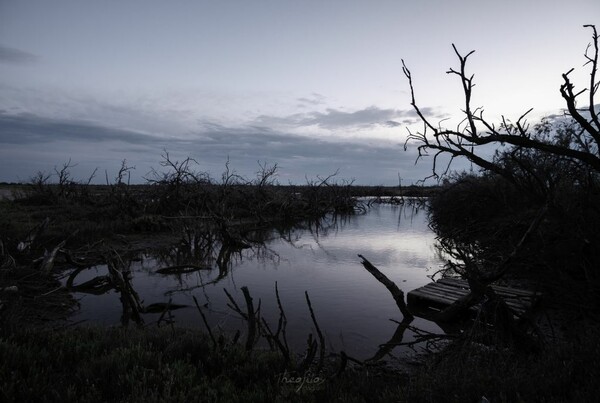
x: 12, y: 55
x: 314, y: 100
x: 28, y: 128
x: 333, y: 119
x: 30, y: 142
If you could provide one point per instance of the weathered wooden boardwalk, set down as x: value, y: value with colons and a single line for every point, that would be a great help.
x: 446, y: 291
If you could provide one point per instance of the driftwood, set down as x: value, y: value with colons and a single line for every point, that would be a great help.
x: 398, y: 295
x: 394, y: 341
x: 344, y: 358
x: 163, y: 313
x: 223, y: 259
x: 32, y: 235
x: 129, y: 298
x: 282, y: 325
x: 97, y: 286
x: 396, y: 292
x: 251, y: 319
x: 274, y: 339
x: 208, y: 329
x: 321, y: 339
x: 430, y: 338
x: 182, y: 269
x: 159, y: 307
x: 79, y: 263
x: 309, y: 357
x: 6, y: 260
x: 48, y: 260
x: 251, y: 316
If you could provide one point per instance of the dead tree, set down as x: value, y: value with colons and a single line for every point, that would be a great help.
x: 475, y: 131
x: 396, y: 292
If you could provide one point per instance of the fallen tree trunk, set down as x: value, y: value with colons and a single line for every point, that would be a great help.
x: 390, y: 285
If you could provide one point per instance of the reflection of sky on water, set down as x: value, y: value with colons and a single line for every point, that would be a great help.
x: 352, y: 307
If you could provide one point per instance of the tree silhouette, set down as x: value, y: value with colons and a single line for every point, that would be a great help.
x: 474, y: 131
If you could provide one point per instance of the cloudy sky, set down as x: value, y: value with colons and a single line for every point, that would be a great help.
x: 314, y: 86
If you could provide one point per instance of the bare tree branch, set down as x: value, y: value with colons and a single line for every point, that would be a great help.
x: 465, y: 140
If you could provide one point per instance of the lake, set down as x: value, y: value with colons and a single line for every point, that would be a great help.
x: 352, y: 308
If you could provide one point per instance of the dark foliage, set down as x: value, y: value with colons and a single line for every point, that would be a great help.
x: 491, y: 212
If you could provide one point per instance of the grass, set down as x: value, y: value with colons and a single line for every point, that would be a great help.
x: 467, y: 371
x: 94, y: 364
x: 36, y: 299
x: 136, y: 365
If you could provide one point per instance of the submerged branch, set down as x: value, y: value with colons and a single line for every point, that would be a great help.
x: 390, y: 285
x: 321, y: 339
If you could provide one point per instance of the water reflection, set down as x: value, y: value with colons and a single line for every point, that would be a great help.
x: 353, y: 309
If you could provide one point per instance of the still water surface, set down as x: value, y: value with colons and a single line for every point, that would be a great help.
x: 352, y: 308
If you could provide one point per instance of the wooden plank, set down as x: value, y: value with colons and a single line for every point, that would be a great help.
x: 423, y: 292
x: 447, y: 290
x: 425, y: 296
x: 430, y: 292
x: 460, y: 286
x: 505, y: 295
x: 417, y: 294
x: 516, y: 293
x: 452, y: 290
x: 457, y: 282
x: 441, y: 303
x: 463, y: 291
x: 449, y: 293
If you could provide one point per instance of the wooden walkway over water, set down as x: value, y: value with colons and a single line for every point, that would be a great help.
x: 446, y: 291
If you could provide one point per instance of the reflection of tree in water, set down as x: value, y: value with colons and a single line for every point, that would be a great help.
x: 203, y: 257
x: 213, y: 252
x: 398, y: 338
x: 118, y: 278
x: 320, y: 228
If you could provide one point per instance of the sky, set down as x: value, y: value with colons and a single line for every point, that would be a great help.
x: 312, y: 86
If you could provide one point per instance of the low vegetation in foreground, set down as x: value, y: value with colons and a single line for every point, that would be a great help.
x: 100, y: 364
x: 140, y: 365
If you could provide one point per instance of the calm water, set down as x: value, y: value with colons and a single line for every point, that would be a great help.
x: 352, y: 308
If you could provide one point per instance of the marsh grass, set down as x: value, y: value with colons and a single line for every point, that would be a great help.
x: 38, y: 300
x: 93, y: 364
x: 466, y: 371
x: 109, y: 364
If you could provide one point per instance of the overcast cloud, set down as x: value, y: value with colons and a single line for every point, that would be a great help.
x: 12, y: 55
x: 335, y: 119
x: 52, y: 141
